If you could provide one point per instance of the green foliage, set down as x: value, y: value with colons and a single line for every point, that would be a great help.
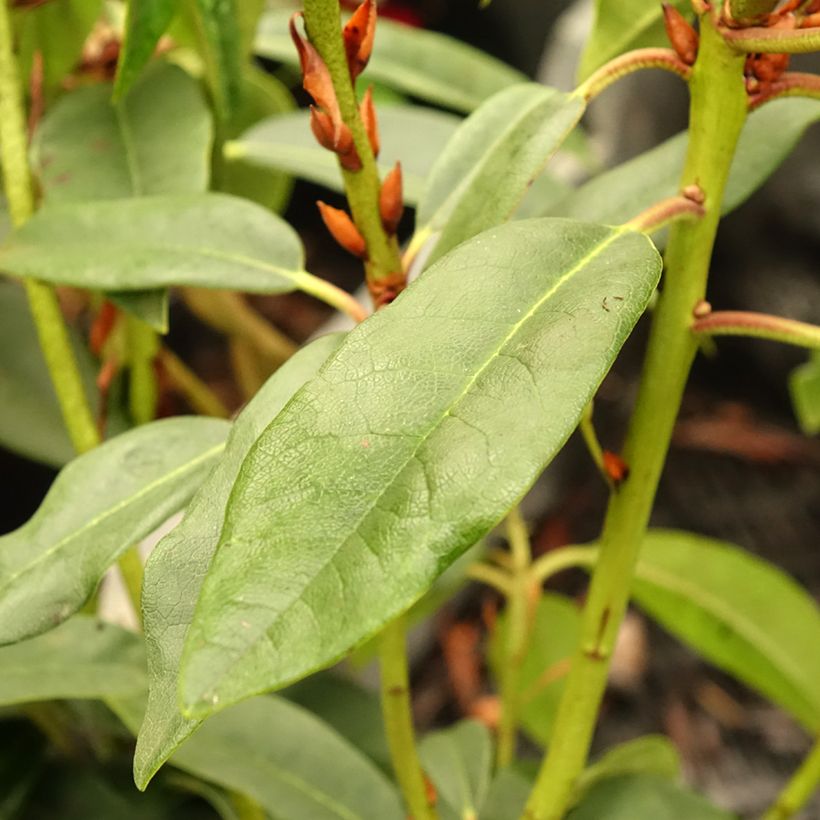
x: 751, y: 9
x: 740, y: 613
x: 804, y: 387
x: 423, y: 64
x: 51, y: 565
x: 410, y: 133
x: 414, y: 469
x: 473, y: 185
x: 180, y: 561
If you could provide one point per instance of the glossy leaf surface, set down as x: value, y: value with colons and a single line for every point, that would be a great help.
x: 556, y: 630
x: 623, y: 26
x: 742, y: 614
x: 174, y: 573
x: 99, y: 505
x: 82, y: 658
x: 410, y: 133
x: 459, y: 761
x: 397, y: 457
x: 156, y: 140
x: 424, y: 64
x: 492, y: 159
x: 204, y: 240
x: 145, y: 22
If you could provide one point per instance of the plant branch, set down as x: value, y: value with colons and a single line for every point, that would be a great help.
x: 790, y: 84
x: 718, y: 111
x: 638, y: 60
x: 593, y: 445
x: 492, y: 576
x: 331, y: 295
x: 201, y: 398
x: 45, y: 307
x: 143, y: 345
x: 759, y: 326
x: 558, y: 560
x: 666, y: 212
x: 799, y: 789
x: 398, y: 720
x: 771, y: 40
x: 323, y: 24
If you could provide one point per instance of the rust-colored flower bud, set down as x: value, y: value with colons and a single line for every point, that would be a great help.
x: 391, y: 200
x: 359, y: 34
x: 371, y: 124
x: 767, y: 68
x: 683, y: 37
x: 616, y: 468
x: 343, y: 230
x: 102, y: 326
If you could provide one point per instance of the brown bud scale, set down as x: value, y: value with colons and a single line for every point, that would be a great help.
x: 370, y: 122
x: 682, y: 36
x: 359, y: 34
x: 391, y: 200
x: 343, y: 230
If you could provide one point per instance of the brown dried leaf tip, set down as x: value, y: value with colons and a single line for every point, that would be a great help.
x: 326, y: 121
x: 683, y: 37
x: 371, y: 124
x: 391, y: 200
x: 343, y: 230
x: 359, y: 34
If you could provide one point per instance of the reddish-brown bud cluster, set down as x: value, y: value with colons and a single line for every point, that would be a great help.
x: 386, y: 288
x: 682, y: 36
x: 391, y: 200
x: 343, y: 230
x: 359, y: 35
x: 615, y: 467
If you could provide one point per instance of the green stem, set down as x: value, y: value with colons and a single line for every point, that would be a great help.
x: 558, y: 560
x: 45, y: 308
x: 517, y: 635
x: 131, y: 569
x: 331, y: 295
x: 587, y: 430
x: 202, y: 399
x: 398, y: 720
x: 799, y: 789
x: 758, y: 326
x: 717, y: 114
x: 323, y: 23
x: 143, y: 346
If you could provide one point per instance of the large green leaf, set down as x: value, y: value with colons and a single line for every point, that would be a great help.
x: 204, y: 240
x: 285, y: 759
x: 644, y: 797
x: 507, y: 796
x: 556, y: 630
x: 623, y: 26
x: 425, y: 64
x: 145, y: 22
x: 458, y: 761
x: 491, y: 161
x: 740, y: 613
x: 156, y: 140
x: 397, y: 457
x: 174, y: 573
x: 768, y: 138
x: 804, y: 388
x: 82, y: 658
x: 99, y: 505
x: 410, y: 133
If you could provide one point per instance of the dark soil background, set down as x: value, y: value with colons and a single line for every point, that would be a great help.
x: 739, y: 469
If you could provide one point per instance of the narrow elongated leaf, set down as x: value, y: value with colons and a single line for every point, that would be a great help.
x: 425, y: 64
x: 156, y: 140
x: 556, y: 630
x: 623, y: 26
x: 99, y: 505
x: 768, y: 138
x: 145, y: 22
x: 82, y: 658
x: 740, y: 613
x: 204, y: 240
x: 644, y: 796
x: 174, y: 573
x: 397, y: 457
x: 459, y: 762
x: 286, y: 760
x: 492, y: 160
x: 216, y: 25
x: 804, y: 388
x: 410, y: 133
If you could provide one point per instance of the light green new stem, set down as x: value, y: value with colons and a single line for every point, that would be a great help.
x: 717, y: 113
x: 323, y: 23
x: 45, y: 308
x: 799, y: 789
x: 518, y: 618
x: 398, y: 720
x: 143, y: 346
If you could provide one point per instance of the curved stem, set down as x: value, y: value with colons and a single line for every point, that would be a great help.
x: 587, y: 429
x: 763, y: 40
x: 638, y: 60
x: 666, y: 212
x: 398, y: 720
x: 791, y: 84
x: 492, y: 576
x: 332, y: 295
x: 564, y: 558
x: 201, y: 398
x: 323, y: 23
x: 718, y: 111
x: 45, y: 308
x: 799, y: 789
x: 759, y: 326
